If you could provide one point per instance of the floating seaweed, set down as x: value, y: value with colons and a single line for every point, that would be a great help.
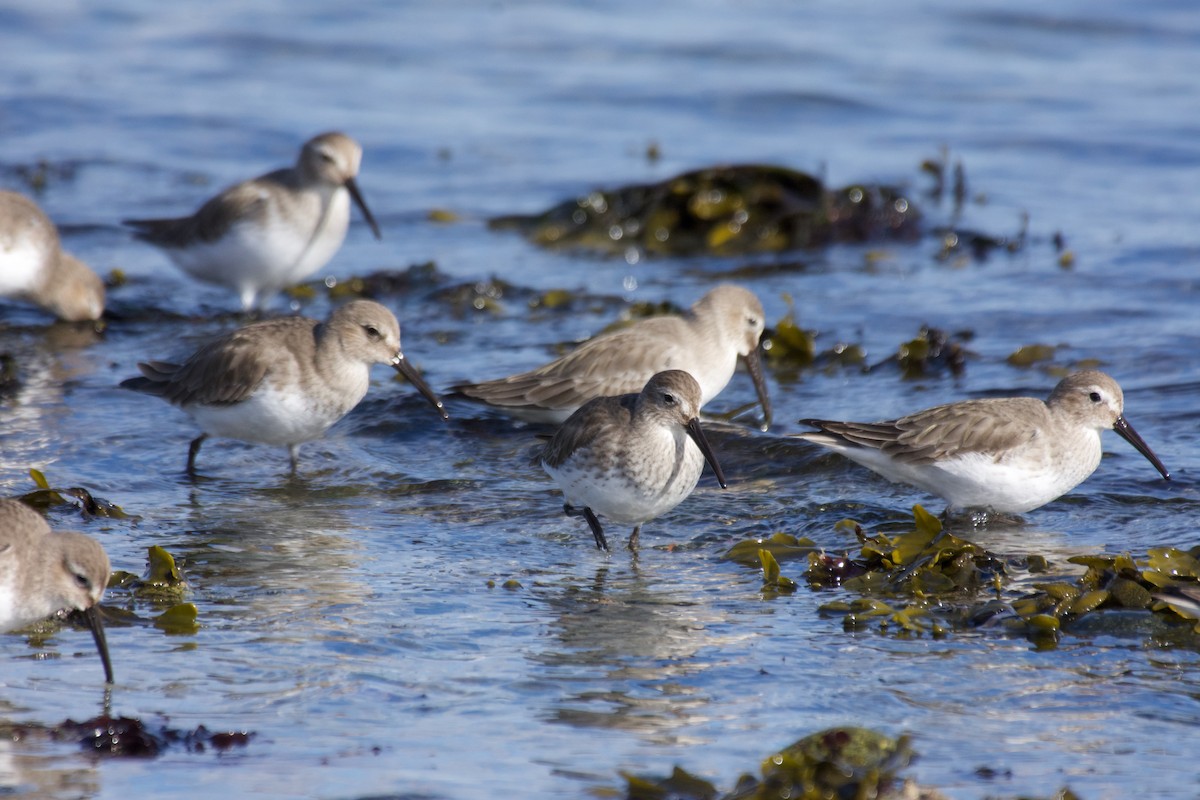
x: 961, y: 246
x: 162, y: 585
x: 927, y: 581
x: 932, y: 352
x: 1030, y: 354
x: 45, y: 497
x: 839, y: 762
x: 774, y: 583
x: 129, y: 737
x: 788, y: 348
x: 376, y: 285
x: 161, y: 581
x: 781, y: 546
x: 723, y: 210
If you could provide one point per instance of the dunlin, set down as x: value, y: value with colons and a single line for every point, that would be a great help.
x: 631, y: 458
x: 705, y: 342
x: 43, y: 574
x: 282, y: 381
x: 1009, y: 455
x: 34, y: 267
x: 271, y: 232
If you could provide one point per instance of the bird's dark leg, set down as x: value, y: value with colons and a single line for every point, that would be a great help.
x: 193, y: 449
x: 593, y: 523
x: 597, y: 531
x: 633, y: 538
x: 294, y: 455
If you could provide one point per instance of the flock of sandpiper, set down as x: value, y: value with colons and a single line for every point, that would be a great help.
x: 628, y: 447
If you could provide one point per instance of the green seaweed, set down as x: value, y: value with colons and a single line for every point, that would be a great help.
x: 930, y: 353
x: 1030, y: 354
x: 774, y: 583
x: 46, y: 497
x: 787, y: 343
x: 679, y: 785
x: 162, y: 582
x: 722, y: 210
x: 783, y: 546
x: 927, y: 581
x: 178, y: 620
x: 847, y: 762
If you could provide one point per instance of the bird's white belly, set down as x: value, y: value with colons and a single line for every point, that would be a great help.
x: 270, y: 416
x: 247, y: 256
x: 8, y: 608
x: 21, y: 265
x: 713, y: 374
x: 1014, y: 485
x: 322, y: 245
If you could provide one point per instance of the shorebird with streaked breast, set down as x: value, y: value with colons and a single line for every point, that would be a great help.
x: 631, y: 458
x: 706, y: 341
x: 282, y: 381
x: 34, y: 267
x: 1008, y: 455
x: 273, y: 231
x: 45, y: 574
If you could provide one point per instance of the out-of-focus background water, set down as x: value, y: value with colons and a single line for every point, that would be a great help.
x: 354, y: 618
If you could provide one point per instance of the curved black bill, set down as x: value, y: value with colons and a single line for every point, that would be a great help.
x: 352, y: 187
x: 693, y: 429
x: 753, y: 361
x: 92, y: 618
x: 408, y: 371
x: 1126, y: 431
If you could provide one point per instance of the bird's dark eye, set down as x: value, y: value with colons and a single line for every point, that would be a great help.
x: 1095, y: 397
x: 326, y: 157
x: 82, y: 581
x: 752, y: 322
x: 372, y: 333
x: 668, y: 398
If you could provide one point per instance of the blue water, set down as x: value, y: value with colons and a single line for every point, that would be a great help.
x: 355, y: 618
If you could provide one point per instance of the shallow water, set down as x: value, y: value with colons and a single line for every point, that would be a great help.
x: 355, y: 618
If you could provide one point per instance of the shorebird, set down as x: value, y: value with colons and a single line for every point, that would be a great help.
x: 43, y: 574
x: 34, y: 267
x: 1009, y: 455
x: 282, y: 381
x: 706, y: 342
x: 273, y: 231
x: 631, y: 458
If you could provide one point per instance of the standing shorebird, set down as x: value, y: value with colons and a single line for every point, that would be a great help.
x: 631, y: 458
x: 43, y: 574
x: 282, y: 381
x: 706, y: 342
x: 1008, y: 455
x: 273, y: 231
x: 34, y: 267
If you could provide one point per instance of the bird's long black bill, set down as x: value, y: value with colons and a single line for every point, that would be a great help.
x: 352, y: 187
x: 753, y: 361
x: 92, y: 617
x: 693, y: 429
x: 1122, y: 427
x: 408, y: 371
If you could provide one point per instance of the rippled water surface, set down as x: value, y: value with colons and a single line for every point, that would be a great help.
x: 358, y: 618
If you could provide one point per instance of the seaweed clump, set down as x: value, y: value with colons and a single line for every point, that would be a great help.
x: 839, y: 762
x: 163, y: 586
x: 46, y: 496
x: 927, y: 581
x: 722, y: 210
x: 129, y: 737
